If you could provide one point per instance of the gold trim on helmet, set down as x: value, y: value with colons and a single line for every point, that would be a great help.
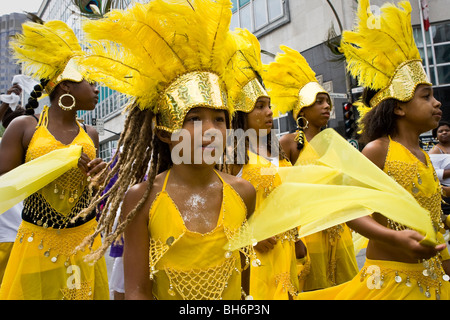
x: 249, y: 95
x: 403, y: 84
x: 70, y: 73
x: 308, y: 96
x: 191, y: 90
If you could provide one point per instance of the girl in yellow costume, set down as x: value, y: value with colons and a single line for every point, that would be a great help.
x: 44, y: 262
x: 397, y: 107
x: 169, y: 58
x: 294, y: 88
x: 273, y: 276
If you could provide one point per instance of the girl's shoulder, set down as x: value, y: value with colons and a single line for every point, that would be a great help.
x: 244, y: 188
x: 137, y: 192
x: 377, y: 150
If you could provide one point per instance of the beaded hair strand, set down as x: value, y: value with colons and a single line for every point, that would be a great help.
x: 141, y: 148
x: 301, y: 125
x: 37, y: 92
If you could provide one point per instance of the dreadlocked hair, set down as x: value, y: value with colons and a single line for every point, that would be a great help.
x: 380, y: 120
x: 33, y: 102
x: 142, y: 153
x: 240, y: 121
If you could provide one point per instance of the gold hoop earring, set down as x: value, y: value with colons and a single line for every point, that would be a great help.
x: 306, y: 123
x: 67, y: 108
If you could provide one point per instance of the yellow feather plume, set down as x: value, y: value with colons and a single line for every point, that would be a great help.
x: 141, y: 50
x: 45, y: 49
x: 379, y: 44
x: 285, y: 77
x: 245, y: 64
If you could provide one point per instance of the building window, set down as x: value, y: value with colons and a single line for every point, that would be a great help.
x: 282, y: 124
x: 107, y: 150
x: 259, y: 16
x: 438, y: 50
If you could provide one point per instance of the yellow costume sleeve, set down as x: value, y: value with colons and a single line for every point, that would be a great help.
x: 32, y: 176
x: 340, y: 185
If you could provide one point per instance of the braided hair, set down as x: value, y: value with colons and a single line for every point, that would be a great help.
x: 302, y: 124
x: 33, y: 102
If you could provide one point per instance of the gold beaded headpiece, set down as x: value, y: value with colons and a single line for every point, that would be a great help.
x: 169, y: 56
x: 243, y: 73
x: 49, y: 51
x: 291, y: 82
x: 382, y: 55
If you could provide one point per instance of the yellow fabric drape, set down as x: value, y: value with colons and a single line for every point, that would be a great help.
x: 18, y: 184
x: 340, y: 185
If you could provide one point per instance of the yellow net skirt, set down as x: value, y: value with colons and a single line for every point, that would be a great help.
x: 332, y: 258
x: 43, y: 266
x: 276, y: 277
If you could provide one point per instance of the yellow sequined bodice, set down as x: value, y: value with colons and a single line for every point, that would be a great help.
x: 190, y: 265
x: 418, y: 178
x: 55, y: 204
x: 262, y: 174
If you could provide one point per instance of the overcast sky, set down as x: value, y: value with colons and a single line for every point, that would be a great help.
x: 10, y: 6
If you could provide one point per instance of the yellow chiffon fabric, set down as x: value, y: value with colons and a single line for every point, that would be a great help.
x: 341, y: 185
x: 276, y: 277
x: 32, y: 176
x: 44, y: 263
x: 187, y: 265
x: 393, y: 280
x: 331, y: 255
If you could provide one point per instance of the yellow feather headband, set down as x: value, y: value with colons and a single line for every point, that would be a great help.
x: 291, y: 83
x: 381, y: 52
x: 243, y: 73
x: 169, y: 56
x: 49, y: 51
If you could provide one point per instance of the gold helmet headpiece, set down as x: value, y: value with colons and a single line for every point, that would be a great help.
x: 291, y: 83
x: 382, y: 55
x: 243, y: 72
x: 49, y: 51
x: 169, y: 56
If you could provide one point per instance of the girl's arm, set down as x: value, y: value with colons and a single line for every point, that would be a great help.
x: 406, y: 242
x: 138, y: 286
x: 14, y: 143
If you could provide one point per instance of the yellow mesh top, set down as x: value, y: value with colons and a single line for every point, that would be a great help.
x: 416, y: 177
x: 189, y: 265
x: 63, y: 193
x: 262, y: 174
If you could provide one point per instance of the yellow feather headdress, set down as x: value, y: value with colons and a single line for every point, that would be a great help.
x: 291, y: 82
x: 381, y: 52
x: 169, y: 56
x: 243, y: 72
x: 49, y: 51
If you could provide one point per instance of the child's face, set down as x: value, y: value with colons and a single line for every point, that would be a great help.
x: 443, y: 133
x: 319, y: 113
x: 261, y: 117
x: 203, y: 136
x: 423, y: 111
